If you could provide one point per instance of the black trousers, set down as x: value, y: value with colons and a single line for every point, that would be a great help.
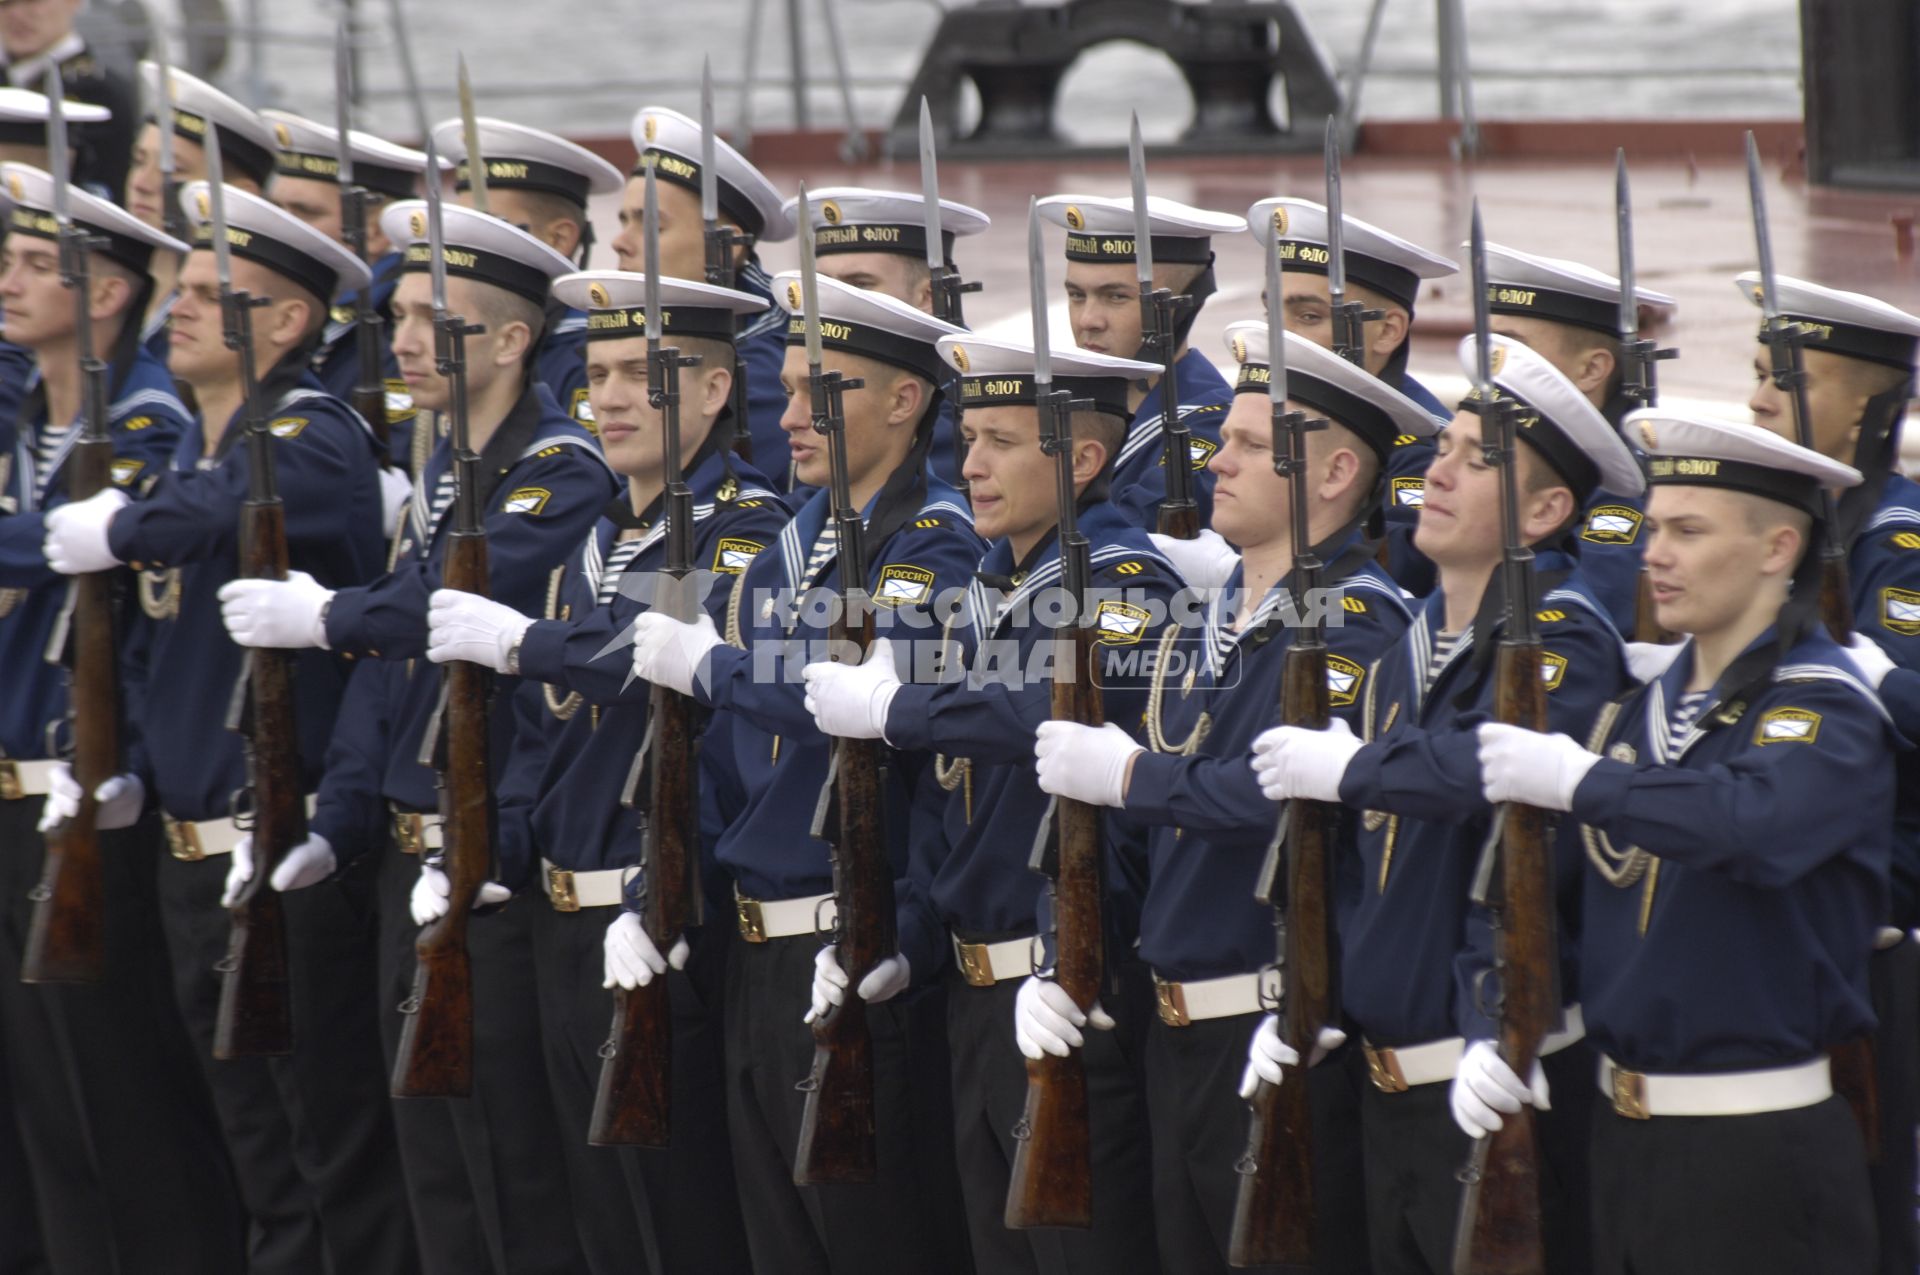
x: 1414, y: 1152
x: 1200, y: 1130
x: 480, y: 1171
x: 21, y: 1252
x: 909, y: 1219
x: 310, y: 1137
x: 667, y: 1210
x: 1895, y: 979
x: 989, y: 1094
x: 117, y: 1131
x: 1785, y: 1192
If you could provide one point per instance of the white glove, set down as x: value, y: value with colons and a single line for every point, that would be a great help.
x: 466, y: 626
x: 851, y: 700
x: 309, y: 863
x: 1084, y: 763
x: 883, y: 982
x: 433, y: 892
x: 277, y: 613
x: 1292, y: 761
x: 1046, y: 1021
x: 396, y: 490
x: 1531, y: 768
x: 1267, y: 1053
x: 117, y: 801
x: 668, y: 652
x: 1205, y: 562
x: 1485, y: 1086
x: 76, y: 539
x: 632, y: 960
x: 1648, y: 660
x: 1872, y: 661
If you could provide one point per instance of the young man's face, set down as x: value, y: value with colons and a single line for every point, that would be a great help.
x: 1252, y: 505
x: 1460, y: 514
x: 1103, y: 306
x: 413, y: 338
x: 869, y: 438
x: 38, y: 307
x: 885, y: 272
x: 630, y: 427
x: 29, y: 27
x: 1705, y: 550
x: 1834, y: 401
x: 683, y: 241
x: 145, y: 189
x: 196, y: 333
x: 315, y: 202
x: 1011, y: 483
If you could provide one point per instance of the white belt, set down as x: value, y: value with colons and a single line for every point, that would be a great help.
x: 22, y: 779
x: 761, y: 920
x: 193, y: 840
x: 1727, y: 1093
x: 570, y: 891
x: 984, y: 964
x: 1398, y: 1070
x: 1182, y: 1004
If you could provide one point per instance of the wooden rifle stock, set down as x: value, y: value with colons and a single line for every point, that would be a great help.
x: 1274, y: 1210
x: 1500, y: 1228
x: 1052, y: 1181
x: 435, y: 1058
x: 66, y: 938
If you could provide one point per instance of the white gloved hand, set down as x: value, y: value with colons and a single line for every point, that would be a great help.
x: 466, y: 626
x: 1485, y: 1086
x: 631, y: 958
x: 276, y: 613
x: 1648, y: 660
x: 1204, y: 562
x: 433, y: 893
x: 1872, y: 661
x: 1084, y: 763
x: 1533, y: 769
x: 76, y: 534
x: 117, y: 801
x: 1292, y: 761
x: 1046, y: 1021
x: 396, y: 490
x: 668, y: 652
x: 883, y: 982
x: 851, y: 700
x: 1267, y: 1054
x: 309, y: 863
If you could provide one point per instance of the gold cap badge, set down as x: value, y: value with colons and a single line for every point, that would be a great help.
x: 283, y: 135
x: 649, y: 127
x: 597, y: 294
x: 794, y: 299
x: 960, y: 359
x: 1280, y: 221
x: 1647, y: 435
x: 417, y: 224
x: 1496, y: 359
x: 1075, y: 221
x: 1239, y: 349
x: 206, y: 207
x: 830, y: 213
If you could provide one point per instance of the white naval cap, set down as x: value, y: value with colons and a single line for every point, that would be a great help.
x: 1100, y: 229
x: 311, y: 150
x: 24, y: 106
x: 670, y: 142
x: 258, y: 230
x: 1558, y: 290
x: 870, y: 324
x: 522, y: 158
x: 1560, y: 422
x: 857, y: 219
x: 616, y: 305
x: 1696, y: 451
x: 1382, y: 416
x: 477, y: 246
x: 996, y: 372
x: 1849, y: 323
x: 246, y: 143
x: 1376, y: 259
x: 28, y: 194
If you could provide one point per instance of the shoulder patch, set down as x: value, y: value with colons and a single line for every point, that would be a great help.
x: 903, y: 584
x: 1120, y: 623
x: 1787, y: 726
x: 581, y: 410
x: 1550, y: 616
x: 926, y: 524
x: 1352, y: 605
x: 1405, y: 440
x: 733, y: 554
x: 1344, y: 678
x: 1410, y: 493
x: 749, y: 504
x: 1900, y: 539
x: 549, y: 451
x: 137, y: 422
x: 1131, y: 567
x: 1552, y: 669
x: 125, y: 469
x: 288, y: 426
x: 1201, y: 451
x: 399, y: 400
x: 526, y: 500
x: 1613, y: 525
x: 1900, y: 611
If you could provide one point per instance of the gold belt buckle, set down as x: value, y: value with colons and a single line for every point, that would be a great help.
x: 1173, y: 1003
x: 407, y: 833
x: 753, y: 926
x: 560, y: 890
x: 1383, y: 1068
x: 1630, y: 1094
x: 183, y: 840
x: 11, y: 788
x: 974, y: 965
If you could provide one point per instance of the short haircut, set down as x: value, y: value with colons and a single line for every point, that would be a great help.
x: 1763, y: 515
x: 549, y: 208
x: 1101, y: 427
x: 497, y: 308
